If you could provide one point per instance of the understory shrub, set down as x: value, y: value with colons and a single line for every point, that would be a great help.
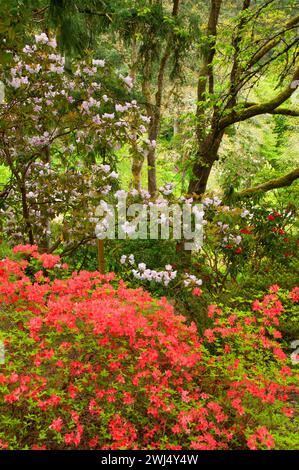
x: 92, y: 364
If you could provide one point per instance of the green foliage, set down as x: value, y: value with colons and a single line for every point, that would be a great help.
x: 49, y: 191
x: 18, y: 19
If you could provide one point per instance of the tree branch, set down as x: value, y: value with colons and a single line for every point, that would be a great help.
x: 262, y: 108
x: 236, y: 42
x: 271, y: 43
x: 281, y: 182
x: 206, y: 75
x: 280, y: 111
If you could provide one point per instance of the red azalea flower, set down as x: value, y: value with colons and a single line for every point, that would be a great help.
x: 274, y: 289
x: 38, y: 447
x: 294, y: 294
x: 3, y: 445
x: 56, y: 425
x: 196, y: 292
x: 289, y: 412
x: 93, y: 442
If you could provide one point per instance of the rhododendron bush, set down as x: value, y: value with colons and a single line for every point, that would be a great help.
x: 92, y: 364
x: 238, y: 243
x: 58, y: 130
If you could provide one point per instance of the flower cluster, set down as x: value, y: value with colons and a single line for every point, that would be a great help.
x: 164, y: 277
x: 125, y: 258
x: 167, y: 189
x: 239, y: 236
x: 91, y: 364
x: 73, y: 117
x: 191, y: 280
x: 60, y: 205
x: 145, y: 274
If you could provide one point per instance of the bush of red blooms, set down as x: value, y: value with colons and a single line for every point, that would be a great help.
x: 91, y: 364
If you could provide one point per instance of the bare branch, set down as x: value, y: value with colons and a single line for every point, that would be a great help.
x: 271, y: 43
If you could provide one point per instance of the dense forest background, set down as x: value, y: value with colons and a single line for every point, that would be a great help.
x: 217, y: 78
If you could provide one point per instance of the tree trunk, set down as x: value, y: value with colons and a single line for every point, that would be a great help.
x: 206, y: 157
x: 26, y: 215
x: 151, y: 156
x: 136, y: 172
x: 201, y: 173
x: 46, y: 241
x: 208, y: 144
x: 101, y: 256
x: 152, y: 135
x: 137, y: 158
x: 155, y: 106
x: 152, y: 183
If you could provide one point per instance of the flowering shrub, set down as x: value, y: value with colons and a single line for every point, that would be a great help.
x: 92, y: 364
x: 237, y: 239
x: 237, y: 244
x: 54, y: 125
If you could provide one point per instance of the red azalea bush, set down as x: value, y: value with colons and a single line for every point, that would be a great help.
x: 91, y: 364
